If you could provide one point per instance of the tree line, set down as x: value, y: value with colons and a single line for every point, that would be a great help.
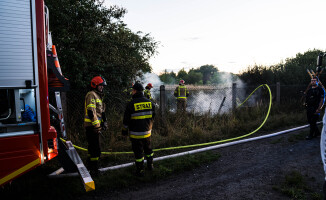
x: 203, y: 75
x: 292, y: 71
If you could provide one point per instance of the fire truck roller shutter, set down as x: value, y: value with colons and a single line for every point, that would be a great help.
x: 16, y: 42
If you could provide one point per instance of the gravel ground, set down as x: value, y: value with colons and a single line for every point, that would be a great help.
x: 244, y: 171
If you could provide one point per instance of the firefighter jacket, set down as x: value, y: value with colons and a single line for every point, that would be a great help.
x: 94, y: 107
x: 181, y: 92
x: 128, y: 94
x: 139, y: 117
x: 148, y: 94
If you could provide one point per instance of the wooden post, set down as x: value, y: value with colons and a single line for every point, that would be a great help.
x: 278, y: 92
x: 162, y: 100
x: 219, y: 110
x: 234, y: 95
x: 162, y: 127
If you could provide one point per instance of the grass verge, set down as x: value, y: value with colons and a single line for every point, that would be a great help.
x: 295, y: 185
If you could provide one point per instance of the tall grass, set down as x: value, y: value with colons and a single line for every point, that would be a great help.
x: 179, y: 129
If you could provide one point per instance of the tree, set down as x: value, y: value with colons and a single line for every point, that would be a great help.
x: 182, y: 74
x: 168, y: 78
x: 93, y: 40
x: 207, y: 71
x: 194, y: 77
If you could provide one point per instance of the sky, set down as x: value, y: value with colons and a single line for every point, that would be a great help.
x: 229, y: 34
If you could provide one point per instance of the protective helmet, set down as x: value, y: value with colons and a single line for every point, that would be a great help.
x: 137, y: 86
x: 98, y: 80
x: 149, y: 85
x: 182, y: 82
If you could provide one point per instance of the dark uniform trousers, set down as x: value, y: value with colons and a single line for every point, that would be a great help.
x: 312, y: 118
x: 314, y: 97
x: 181, y: 104
x: 94, y: 148
x: 138, y: 145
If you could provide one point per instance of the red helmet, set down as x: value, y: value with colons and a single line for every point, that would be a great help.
x: 149, y: 85
x: 182, y: 82
x: 97, y: 80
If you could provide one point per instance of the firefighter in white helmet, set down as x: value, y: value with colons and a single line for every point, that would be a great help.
x: 94, y: 122
x: 181, y: 93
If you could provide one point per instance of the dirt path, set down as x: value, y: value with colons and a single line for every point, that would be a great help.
x: 244, y: 171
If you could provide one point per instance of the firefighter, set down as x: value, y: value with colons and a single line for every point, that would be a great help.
x: 147, y: 92
x: 315, y: 97
x: 181, y: 93
x: 94, y: 122
x: 128, y: 93
x: 137, y: 122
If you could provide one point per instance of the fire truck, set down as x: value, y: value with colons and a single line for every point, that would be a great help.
x: 31, y: 83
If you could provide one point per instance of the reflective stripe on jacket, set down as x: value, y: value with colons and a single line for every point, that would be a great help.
x: 128, y: 94
x: 181, y: 92
x: 147, y: 94
x: 139, y: 117
x: 94, y: 103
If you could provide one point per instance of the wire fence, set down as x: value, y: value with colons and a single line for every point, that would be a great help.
x: 202, y: 99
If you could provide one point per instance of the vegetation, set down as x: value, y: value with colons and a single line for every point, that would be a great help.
x: 204, y: 75
x: 292, y: 72
x: 295, y: 185
x: 193, y: 128
x: 93, y: 40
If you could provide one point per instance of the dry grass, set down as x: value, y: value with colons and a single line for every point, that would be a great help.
x: 178, y: 129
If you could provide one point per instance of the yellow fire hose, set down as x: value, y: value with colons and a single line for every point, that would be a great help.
x: 208, y: 143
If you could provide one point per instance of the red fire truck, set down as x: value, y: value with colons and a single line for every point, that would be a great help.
x: 30, y: 86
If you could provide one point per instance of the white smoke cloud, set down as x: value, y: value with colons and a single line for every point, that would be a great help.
x: 154, y: 79
x: 203, y: 99
x: 209, y: 98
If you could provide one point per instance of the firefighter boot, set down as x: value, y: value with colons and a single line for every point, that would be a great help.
x: 140, y: 169
x: 93, y: 168
x: 311, y: 134
x: 150, y: 165
x: 317, y: 132
x: 88, y: 163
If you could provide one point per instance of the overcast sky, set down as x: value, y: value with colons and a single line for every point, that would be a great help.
x: 229, y: 34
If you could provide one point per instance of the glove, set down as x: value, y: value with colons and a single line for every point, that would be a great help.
x: 104, y: 126
x: 124, y: 132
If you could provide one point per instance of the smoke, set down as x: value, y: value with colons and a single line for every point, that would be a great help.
x: 150, y: 78
x: 213, y: 99
x: 154, y: 79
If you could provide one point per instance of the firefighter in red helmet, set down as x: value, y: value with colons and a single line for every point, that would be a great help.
x: 181, y: 93
x: 147, y: 91
x: 94, y: 122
